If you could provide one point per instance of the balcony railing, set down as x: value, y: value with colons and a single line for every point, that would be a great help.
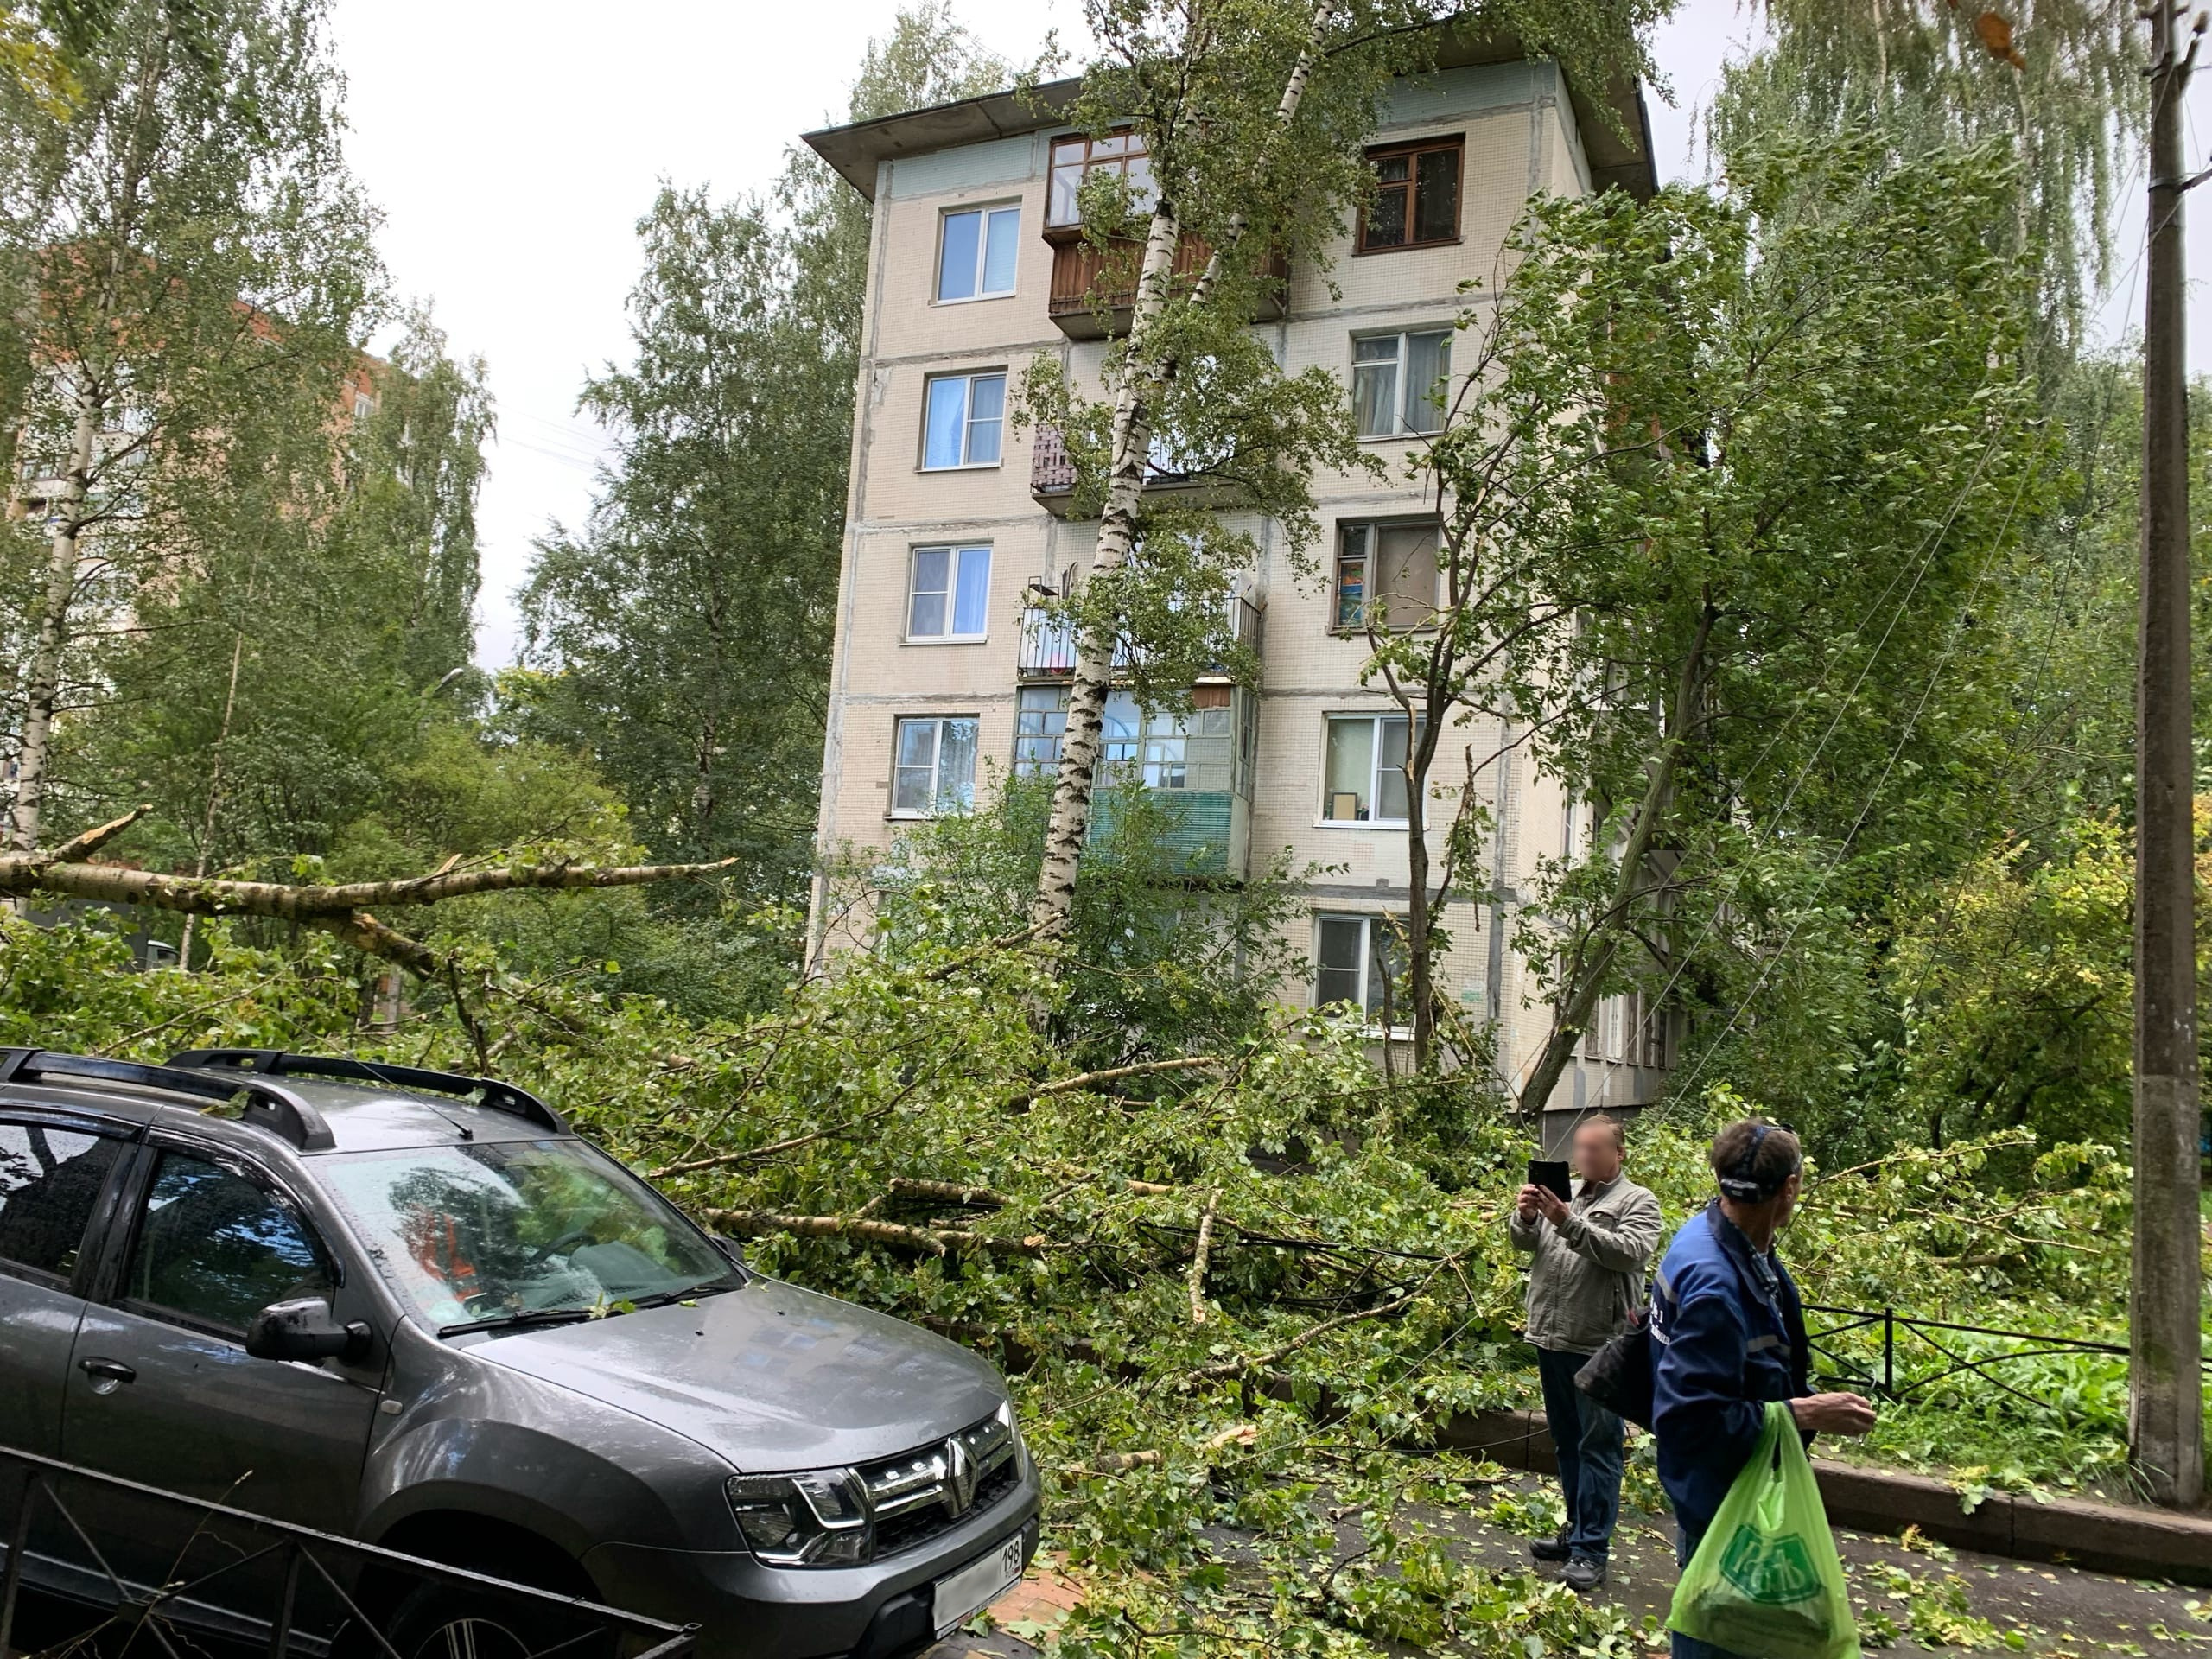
x: 1052, y: 479
x: 1094, y: 289
x: 1048, y: 642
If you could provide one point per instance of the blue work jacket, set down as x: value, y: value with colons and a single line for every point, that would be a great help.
x: 1727, y: 1335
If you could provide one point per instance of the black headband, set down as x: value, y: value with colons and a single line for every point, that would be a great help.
x: 1744, y: 1186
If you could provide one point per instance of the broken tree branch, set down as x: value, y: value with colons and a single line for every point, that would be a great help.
x: 1201, y: 1258
x: 339, y: 908
x: 1111, y: 1074
x: 930, y: 1240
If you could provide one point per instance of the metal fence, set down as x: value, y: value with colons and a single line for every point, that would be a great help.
x: 290, y: 1589
x: 1917, y: 1355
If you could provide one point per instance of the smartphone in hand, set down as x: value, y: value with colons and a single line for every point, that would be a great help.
x: 1551, y: 1172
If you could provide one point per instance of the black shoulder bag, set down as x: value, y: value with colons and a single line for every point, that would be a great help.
x: 1619, y: 1376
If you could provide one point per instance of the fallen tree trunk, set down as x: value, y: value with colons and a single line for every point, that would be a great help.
x: 339, y: 908
x: 929, y: 1241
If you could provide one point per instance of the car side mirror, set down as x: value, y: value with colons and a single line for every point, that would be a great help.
x: 733, y: 1249
x: 305, y: 1329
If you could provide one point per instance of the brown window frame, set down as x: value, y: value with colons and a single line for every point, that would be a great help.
x: 1134, y: 148
x: 1411, y: 151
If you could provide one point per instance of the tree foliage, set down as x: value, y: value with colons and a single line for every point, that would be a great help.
x: 185, y: 263
x: 1741, y: 467
x: 2059, y: 83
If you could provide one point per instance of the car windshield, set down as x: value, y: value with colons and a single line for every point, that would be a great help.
x: 498, y: 1230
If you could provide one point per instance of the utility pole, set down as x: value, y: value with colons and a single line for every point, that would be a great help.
x: 2166, y: 1397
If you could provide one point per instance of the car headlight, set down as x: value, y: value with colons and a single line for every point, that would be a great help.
x: 1005, y: 1414
x: 817, y: 1518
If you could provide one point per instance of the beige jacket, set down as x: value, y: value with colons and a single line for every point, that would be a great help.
x: 1587, y: 1277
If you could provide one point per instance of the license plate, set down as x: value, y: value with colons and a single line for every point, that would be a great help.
x: 977, y: 1584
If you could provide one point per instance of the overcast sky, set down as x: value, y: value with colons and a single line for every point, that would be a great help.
x: 512, y: 148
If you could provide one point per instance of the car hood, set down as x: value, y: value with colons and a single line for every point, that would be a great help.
x: 768, y: 1376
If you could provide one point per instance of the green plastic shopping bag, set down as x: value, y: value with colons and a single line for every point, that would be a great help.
x: 1766, y: 1581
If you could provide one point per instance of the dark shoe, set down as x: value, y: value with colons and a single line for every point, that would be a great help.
x: 1583, y: 1575
x: 1550, y: 1549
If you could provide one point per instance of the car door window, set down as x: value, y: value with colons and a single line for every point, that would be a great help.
x: 49, y: 1180
x: 214, y: 1248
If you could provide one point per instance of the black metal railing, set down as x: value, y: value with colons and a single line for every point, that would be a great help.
x: 1917, y: 1355
x: 287, y: 1585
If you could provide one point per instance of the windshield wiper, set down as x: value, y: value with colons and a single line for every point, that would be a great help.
x: 663, y: 1298
x: 521, y: 1316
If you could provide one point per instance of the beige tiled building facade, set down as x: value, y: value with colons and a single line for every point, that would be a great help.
x: 943, y: 679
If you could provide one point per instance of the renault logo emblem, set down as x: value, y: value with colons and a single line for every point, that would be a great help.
x: 959, y: 1478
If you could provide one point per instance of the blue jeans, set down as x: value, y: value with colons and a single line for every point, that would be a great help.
x: 1689, y: 1647
x: 1587, y: 1440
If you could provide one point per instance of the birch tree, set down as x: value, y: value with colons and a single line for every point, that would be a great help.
x: 188, y: 264
x: 1254, y: 114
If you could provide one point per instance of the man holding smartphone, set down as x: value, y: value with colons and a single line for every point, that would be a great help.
x: 1585, y: 1284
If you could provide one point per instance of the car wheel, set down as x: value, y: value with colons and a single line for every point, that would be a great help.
x: 438, y: 1622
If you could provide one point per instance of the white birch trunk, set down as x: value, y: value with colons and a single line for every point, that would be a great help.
x: 42, y: 682
x: 1081, y: 740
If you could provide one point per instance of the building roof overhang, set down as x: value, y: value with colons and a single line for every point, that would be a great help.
x: 856, y: 151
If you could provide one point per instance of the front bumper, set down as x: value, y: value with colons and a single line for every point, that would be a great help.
x: 743, y: 1608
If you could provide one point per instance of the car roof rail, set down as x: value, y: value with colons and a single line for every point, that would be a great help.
x: 265, y: 1106
x: 487, y: 1092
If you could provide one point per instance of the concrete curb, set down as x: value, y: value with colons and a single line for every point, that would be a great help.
x: 2138, y: 1543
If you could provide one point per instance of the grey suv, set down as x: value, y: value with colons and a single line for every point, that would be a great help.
x: 416, y: 1309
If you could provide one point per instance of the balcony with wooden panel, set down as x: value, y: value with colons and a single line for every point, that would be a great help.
x: 1095, y: 289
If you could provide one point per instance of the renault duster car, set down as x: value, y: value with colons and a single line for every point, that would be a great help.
x: 416, y: 1309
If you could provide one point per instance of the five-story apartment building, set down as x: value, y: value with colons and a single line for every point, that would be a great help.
x: 946, y: 674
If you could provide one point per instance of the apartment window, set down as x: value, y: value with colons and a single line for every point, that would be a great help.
x: 1386, y: 575
x: 934, y: 769
x: 974, y: 253
x: 949, y: 592
x: 1364, y: 773
x: 1416, y: 199
x: 1358, y: 960
x: 1077, y: 157
x: 966, y: 414
x: 364, y: 405
x: 1401, y: 383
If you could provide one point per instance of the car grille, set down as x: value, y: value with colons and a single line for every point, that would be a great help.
x: 918, y: 1495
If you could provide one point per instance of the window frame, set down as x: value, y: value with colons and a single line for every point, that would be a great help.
x: 1371, y: 1018
x: 968, y: 377
x: 985, y: 212
x: 1372, y: 528
x: 899, y: 722
x: 100, y: 1221
x: 1378, y: 717
x: 955, y: 554
x: 1403, y: 429
x: 1412, y: 149
x: 118, y: 1263
x: 1132, y: 147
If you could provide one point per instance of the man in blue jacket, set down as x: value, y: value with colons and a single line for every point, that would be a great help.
x: 1728, y: 1336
